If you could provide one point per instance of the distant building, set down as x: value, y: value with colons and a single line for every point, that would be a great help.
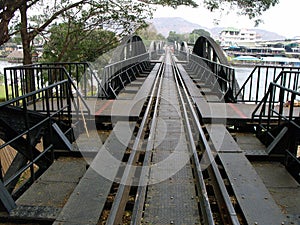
x: 238, y: 37
x: 15, y: 56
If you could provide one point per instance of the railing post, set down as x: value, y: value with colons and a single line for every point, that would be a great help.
x: 281, y: 104
x: 28, y: 139
x: 270, y: 106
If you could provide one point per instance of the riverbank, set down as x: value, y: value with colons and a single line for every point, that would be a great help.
x: 4, y: 64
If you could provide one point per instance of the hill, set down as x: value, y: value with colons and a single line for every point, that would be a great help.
x: 165, y: 24
x: 181, y: 26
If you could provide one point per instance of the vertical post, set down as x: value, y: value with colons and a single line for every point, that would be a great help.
x: 270, y: 106
x: 28, y: 140
x: 292, y: 106
x: 6, y: 84
x: 281, y: 104
x: 69, y: 106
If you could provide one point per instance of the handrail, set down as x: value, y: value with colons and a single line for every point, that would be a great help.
x: 31, y: 129
x: 87, y: 66
x: 41, y: 72
x: 12, y: 101
x: 272, y: 114
x: 111, y: 69
x: 74, y: 70
x: 223, y: 74
x: 271, y: 108
x: 256, y: 84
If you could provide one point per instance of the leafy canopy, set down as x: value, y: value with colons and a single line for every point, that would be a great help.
x: 70, y: 42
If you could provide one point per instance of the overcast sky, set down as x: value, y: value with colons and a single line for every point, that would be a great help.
x: 283, y: 19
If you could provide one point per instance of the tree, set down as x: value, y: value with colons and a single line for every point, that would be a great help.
x: 173, y: 3
x: 149, y: 34
x: 123, y: 16
x: 197, y: 33
x: 251, y: 8
x: 71, y: 42
x: 174, y: 37
x: 125, y: 12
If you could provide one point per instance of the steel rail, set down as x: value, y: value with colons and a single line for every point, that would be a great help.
x: 220, y: 182
x: 205, y: 206
x: 142, y: 188
x: 125, y: 183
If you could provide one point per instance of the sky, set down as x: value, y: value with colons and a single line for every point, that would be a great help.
x: 283, y: 18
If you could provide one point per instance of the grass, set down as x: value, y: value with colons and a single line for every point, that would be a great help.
x: 2, y: 93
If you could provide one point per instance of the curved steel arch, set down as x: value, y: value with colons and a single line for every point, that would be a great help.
x: 129, y: 47
x: 215, y: 59
x: 184, y: 46
x: 207, y: 48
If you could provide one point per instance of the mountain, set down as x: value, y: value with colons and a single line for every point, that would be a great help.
x: 164, y: 25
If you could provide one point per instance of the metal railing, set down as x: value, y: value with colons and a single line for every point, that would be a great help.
x: 156, y: 50
x: 27, y: 128
x: 86, y: 77
x: 132, y: 65
x: 215, y: 75
x: 83, y: 75
x: 21, y: 80
x: 256, y: 85
x: 88, y: 80
x: 279, y: 104
x: 280, y: 107
x: 119, y: 80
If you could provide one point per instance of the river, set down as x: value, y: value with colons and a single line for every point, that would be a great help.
x: 4, y: 64
x: 242, y: 73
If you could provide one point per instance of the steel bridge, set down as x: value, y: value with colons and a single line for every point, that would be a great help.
x: 164, y: 135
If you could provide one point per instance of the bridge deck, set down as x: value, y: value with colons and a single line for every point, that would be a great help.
x: 168, y: 200
x: 246, y: 181
x: 265, y: 191
x: 87, y: 200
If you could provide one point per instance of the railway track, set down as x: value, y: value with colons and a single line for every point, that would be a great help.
x: 197, y: 192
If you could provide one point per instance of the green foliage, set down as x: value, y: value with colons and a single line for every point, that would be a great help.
x: 2, y: 93
x: 196, y: 34
x: 121, y: 17
x: 189, y: 38
x: 173, y: 36
x: 251, y: 8
x: 1, y: 79
x: 17, y: 39
x: 149, y: 34
x: 71, y: 42
x: 172, y: 3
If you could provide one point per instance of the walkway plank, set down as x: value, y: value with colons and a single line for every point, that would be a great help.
x: 87, y: 201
